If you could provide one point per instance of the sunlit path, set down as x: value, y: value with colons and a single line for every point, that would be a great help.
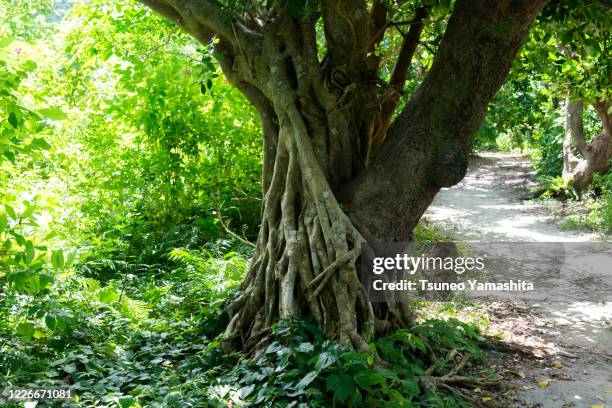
x: 485, y: 207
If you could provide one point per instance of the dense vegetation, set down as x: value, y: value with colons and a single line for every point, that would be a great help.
x: 130, y: 195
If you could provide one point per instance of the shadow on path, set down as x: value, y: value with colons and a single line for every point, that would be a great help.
x: 488, y: 206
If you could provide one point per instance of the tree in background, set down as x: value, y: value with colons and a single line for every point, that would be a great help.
x: 335, y: 173
x: 582, y: 159
x: 575, y: 37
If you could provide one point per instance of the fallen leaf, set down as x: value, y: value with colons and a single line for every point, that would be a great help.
x: 487, y: 398
x: 562, y: 376
x: 544, y: 383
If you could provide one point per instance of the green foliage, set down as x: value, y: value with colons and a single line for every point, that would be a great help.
x: 564, y: 56
x: 600, y: 214
x: 574, y: 36
x: 132, y: 168
x: 299, y: 368
x: 514, y: 116
x: 25, y: 19
x: 145, y: 340
x: 426, y: 232
x: 558, y: 187
x: 24, y: 228
x: 595, y: 213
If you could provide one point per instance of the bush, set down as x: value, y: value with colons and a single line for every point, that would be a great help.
x: 558, y: 187
x: 600, y: 214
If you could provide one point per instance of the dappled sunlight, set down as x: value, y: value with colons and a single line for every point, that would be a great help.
x: 481, y: 211
x: 569, y: 320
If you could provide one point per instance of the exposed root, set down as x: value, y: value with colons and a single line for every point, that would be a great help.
x: 325, y: 276
x: 452, y: 381
x: 306, y: 256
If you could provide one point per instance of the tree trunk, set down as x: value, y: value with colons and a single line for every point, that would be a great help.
x: 581, y: 159
x: 427, y: 147
x: 321, y: 120
x: 307, y: 250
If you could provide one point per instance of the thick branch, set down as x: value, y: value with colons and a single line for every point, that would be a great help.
x: 202, y: 19
x: 574, y: 126
x: 165, y: 10
x: 603, y: 110
x: 428, y: 145
x: 596, y: 154
x: 347, y: 41
x: 376, y: 32
x: 399, y: 75
x: 400, y: 70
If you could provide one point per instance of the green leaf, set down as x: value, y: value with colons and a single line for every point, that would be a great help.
x: 342, y: 386
x: 13, y: 120
x: 29, y: 65
x: 366, y: 379
x: 10, y: 211
x: 19, y: 238
x: 126, y: 401
x: 592, y: 47
x: 70, y: 368
x: 246, y: 391
x: 10, y: 155
x: 568, y: 36
x: 410, y: 388
x: 53, y: 113
x: 51, y: 234
x: 30, y: 252
x: 3, y: 221
x: 6, y: 41
x: 305, y: 348
x: 445, y: 5
x: 44, y: 280
x: 50, y: 321
x: 108, y: 296
x: 40, y: 143
x: 325, y: 360
x: 305, y: 382
x: 62, y: 321
x: 28, y: 211
x: 57, y: 258
x: 25, y: 329
x: 70, y: 259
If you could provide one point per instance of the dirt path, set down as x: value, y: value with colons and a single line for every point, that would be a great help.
x: 571, y: 342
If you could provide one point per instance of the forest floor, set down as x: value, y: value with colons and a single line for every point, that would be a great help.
x: 561, y: 352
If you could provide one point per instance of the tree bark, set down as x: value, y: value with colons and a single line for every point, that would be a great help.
x: 319, y: 118
x: 428, y: 145
x: 581, y: 159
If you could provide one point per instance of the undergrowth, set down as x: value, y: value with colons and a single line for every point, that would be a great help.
x: 589, y: 210
x: 152, y: 340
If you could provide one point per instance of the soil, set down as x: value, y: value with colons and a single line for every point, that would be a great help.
x: 558, y: 354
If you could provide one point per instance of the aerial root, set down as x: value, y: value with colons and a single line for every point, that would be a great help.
x: 327, y: 274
